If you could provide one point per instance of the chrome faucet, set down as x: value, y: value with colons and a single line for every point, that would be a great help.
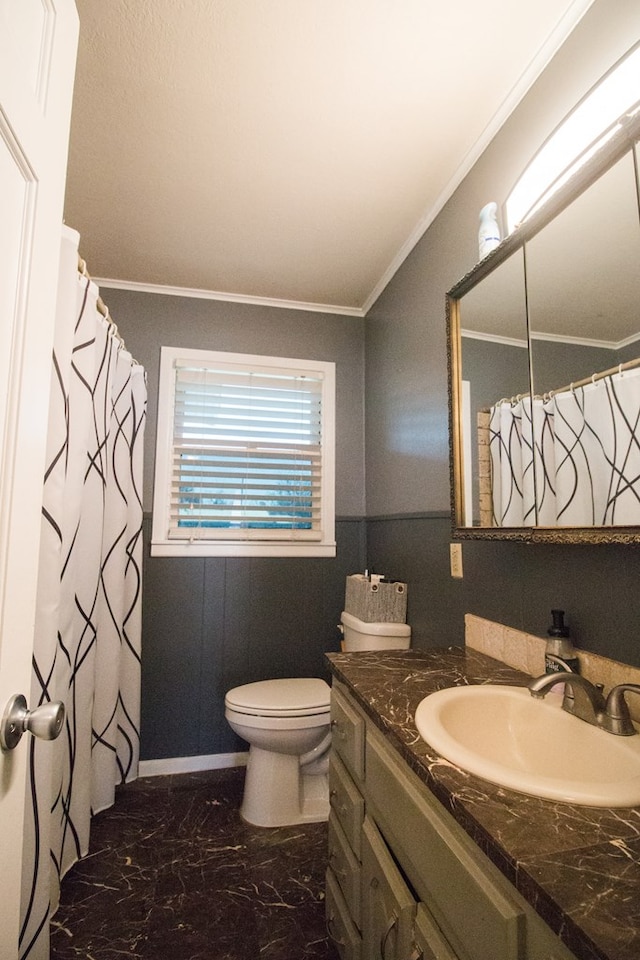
x: 581, y: 698
x: 586, y: 702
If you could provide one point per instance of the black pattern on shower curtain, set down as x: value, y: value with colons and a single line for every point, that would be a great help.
x: 88, y: 612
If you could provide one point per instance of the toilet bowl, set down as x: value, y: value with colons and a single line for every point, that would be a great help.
x: 287, y: 726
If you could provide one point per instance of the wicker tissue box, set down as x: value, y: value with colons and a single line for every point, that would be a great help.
x: 375, y: 602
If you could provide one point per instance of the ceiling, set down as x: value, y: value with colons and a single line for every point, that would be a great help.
x: 286, y: 151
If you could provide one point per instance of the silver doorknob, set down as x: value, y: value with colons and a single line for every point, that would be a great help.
x: 44, y: 722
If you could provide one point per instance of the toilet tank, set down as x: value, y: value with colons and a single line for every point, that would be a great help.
x: 359, y: 635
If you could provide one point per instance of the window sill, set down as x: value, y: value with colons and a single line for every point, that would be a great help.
x: 248, y: 549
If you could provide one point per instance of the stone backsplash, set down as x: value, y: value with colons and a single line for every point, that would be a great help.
x: 525, y: 652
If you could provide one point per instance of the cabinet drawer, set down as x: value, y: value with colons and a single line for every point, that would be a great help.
x: 346, y: 801
x: 345, y: 867
x: 339, y: 924
x: 466, y: 894
x: 347, y: 733
x: 388, y: 906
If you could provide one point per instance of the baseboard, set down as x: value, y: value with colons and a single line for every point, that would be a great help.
x: 214, y: 761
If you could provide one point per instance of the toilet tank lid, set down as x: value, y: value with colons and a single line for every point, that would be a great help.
x: 292, y: 694
x: 376, y: 628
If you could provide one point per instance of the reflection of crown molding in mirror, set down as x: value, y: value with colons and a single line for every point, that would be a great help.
x: 494, y: 338
x: 535, y: 335
x: 529, y: 249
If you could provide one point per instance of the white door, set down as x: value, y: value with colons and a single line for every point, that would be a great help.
x: 38, y: 41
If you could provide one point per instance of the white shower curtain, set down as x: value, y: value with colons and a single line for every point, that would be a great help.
x: 587, y: 456
x: 88, y: 622
x: 512, y: 465
x: 597, y: 452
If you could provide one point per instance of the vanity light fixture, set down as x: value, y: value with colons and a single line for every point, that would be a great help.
x: 581, y: 134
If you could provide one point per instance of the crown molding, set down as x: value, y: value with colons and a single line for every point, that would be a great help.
x: 196, y: 293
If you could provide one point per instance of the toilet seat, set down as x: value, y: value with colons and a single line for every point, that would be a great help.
x: 294, y: 697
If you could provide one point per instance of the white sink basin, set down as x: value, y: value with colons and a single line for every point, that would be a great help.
x: 504, y: 735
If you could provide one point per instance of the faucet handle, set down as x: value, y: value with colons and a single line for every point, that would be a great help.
x: 617, y: 716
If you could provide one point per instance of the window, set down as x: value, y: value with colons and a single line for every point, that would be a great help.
x: 244, y: 456
x: 587, y: 128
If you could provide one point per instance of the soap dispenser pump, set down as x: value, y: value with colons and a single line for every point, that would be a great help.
x: 559, y: 647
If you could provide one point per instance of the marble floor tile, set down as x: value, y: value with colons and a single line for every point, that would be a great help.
x: 173, y: 872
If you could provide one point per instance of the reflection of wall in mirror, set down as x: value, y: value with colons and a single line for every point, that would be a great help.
x: 583, y: 281
x: 557, y: 364
x: 494, y: 370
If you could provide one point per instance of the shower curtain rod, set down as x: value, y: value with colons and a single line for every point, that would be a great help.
x: 102, y: 307
x: 596, y: 376
x: 628, y: 365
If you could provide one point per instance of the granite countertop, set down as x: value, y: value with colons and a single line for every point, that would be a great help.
x: 578, y: 866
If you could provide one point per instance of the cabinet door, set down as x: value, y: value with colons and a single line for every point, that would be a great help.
x: 388, y: 906
x: 429, y: 942
x: 347, y: 730
x: 543, y: 943
x: 473, y: 904
x: 341, y: 929
x: 345, y: 867
x: 346, y: 802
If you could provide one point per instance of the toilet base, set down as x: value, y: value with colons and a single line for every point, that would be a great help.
x: 277, y: 795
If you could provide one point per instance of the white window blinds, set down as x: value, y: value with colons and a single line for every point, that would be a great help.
x: 248, y: 450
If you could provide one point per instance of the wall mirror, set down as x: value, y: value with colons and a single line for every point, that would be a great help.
x: 544, y: 367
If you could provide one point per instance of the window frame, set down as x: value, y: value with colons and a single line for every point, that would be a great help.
x: 238, y: 545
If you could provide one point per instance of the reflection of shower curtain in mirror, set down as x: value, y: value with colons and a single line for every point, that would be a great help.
x: 587, y: 463
x: 512, y: 463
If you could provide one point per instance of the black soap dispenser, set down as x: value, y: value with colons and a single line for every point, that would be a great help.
x: 560, y: 647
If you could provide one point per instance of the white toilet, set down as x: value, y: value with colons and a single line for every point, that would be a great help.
x: 287, y: 726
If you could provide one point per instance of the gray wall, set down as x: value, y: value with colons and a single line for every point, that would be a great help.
x: 407, y: 468
x: 211, y: 624
x: 515, y: 584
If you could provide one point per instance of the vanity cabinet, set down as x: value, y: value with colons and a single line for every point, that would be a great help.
x: 346, y: 823
x: 404, y: 881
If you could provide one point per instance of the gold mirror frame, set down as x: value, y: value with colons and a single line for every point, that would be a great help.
x: 619, y: 145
